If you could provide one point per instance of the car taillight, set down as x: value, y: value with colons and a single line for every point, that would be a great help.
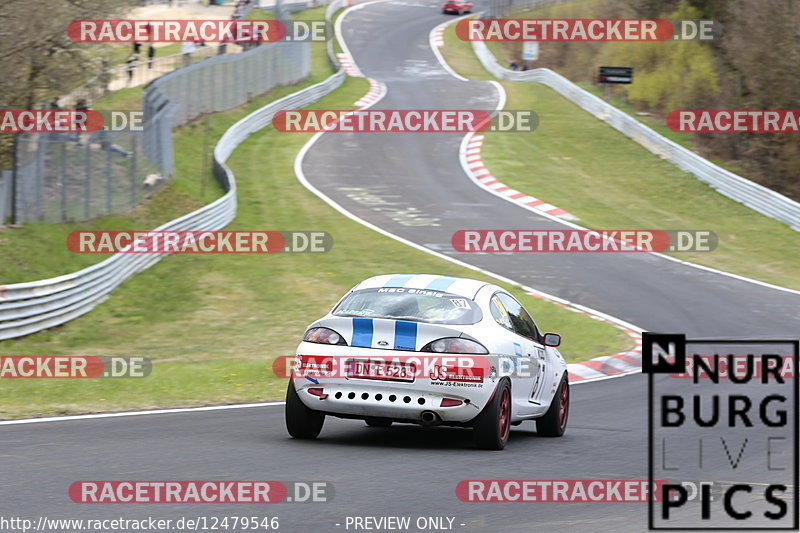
x: 455, y: 345
x: 324, y: 336
x: 450, y: 402
x: 317, y: 391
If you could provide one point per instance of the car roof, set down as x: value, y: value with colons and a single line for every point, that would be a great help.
x: 467, y: 288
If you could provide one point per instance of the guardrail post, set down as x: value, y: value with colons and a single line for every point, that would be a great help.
x: 14, y: 173
x: 87, y: 190
x: 63, y: 174
x: 105, y: 141
x: 133, y: 171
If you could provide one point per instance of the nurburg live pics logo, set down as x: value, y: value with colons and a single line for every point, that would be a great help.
x: 732, y: 423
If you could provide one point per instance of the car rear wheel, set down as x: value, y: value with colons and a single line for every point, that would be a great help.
x: 493, y: 425
x: 378, y: 422
x: 554, y: 422
x: 301, y: 422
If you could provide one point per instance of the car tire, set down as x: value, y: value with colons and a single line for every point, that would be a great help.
x: 468, y: 12
x: 554, y: 421
x: 378, y: 422
x: 301, y: 422
x: 492, y: 426
x: 444, y: 12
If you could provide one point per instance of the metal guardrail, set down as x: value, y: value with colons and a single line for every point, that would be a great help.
x: 291, y: 7
x: 331, y: 10
x: 227, y: 81
x: 125, y: 76
x: 64, y: 177
x: 751, y: 194
x: 499, y: 8
x: 333, y: 7
x: 30, y: 307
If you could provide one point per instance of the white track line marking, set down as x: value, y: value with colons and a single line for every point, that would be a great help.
x: 137, y: 413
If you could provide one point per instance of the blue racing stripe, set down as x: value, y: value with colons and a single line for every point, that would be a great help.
x: 405, y: 335
x: 362, y: 333
x: 441, y: 283
x: 398, y: 281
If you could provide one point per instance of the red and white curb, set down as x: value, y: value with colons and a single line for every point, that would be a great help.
x: 349, y: 65
x: 437, y: 35
x: 608, y: 365
x: 377, y: 90
x: 485, y: 178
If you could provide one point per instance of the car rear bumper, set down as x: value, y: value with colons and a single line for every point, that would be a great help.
x: 396, y: 400
x: 402, y: 402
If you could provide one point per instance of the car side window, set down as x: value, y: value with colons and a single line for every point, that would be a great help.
x: 499, y: 313
x: 521, y: 321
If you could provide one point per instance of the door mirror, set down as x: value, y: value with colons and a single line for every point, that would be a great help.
x: 551, y: 339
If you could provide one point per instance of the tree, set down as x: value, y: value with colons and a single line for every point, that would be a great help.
x: 38, y: 62
x: 762, y: 43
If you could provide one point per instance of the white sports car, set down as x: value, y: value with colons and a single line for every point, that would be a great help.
x: 429, y: 350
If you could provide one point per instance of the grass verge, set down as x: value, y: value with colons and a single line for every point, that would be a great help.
x: 460, y: 57
x: 612, y: 182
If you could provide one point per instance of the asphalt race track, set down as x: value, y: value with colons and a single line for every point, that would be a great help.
x: 409, y: 470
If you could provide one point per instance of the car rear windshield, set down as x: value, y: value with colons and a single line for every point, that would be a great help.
x: 417, y: 305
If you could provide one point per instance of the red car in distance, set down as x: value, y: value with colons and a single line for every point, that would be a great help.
x: 456, y: 6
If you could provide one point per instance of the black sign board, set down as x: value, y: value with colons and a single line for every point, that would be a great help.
x: 616, y: 75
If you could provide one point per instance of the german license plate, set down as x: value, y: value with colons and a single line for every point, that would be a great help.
x: 381, y: 370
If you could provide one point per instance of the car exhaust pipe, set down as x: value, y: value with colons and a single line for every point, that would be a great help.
x: 429, y: 418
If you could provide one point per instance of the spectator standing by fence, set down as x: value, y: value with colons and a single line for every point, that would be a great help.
x: 131, y: 62
x: 187, y: 48
x: 105, y: 75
